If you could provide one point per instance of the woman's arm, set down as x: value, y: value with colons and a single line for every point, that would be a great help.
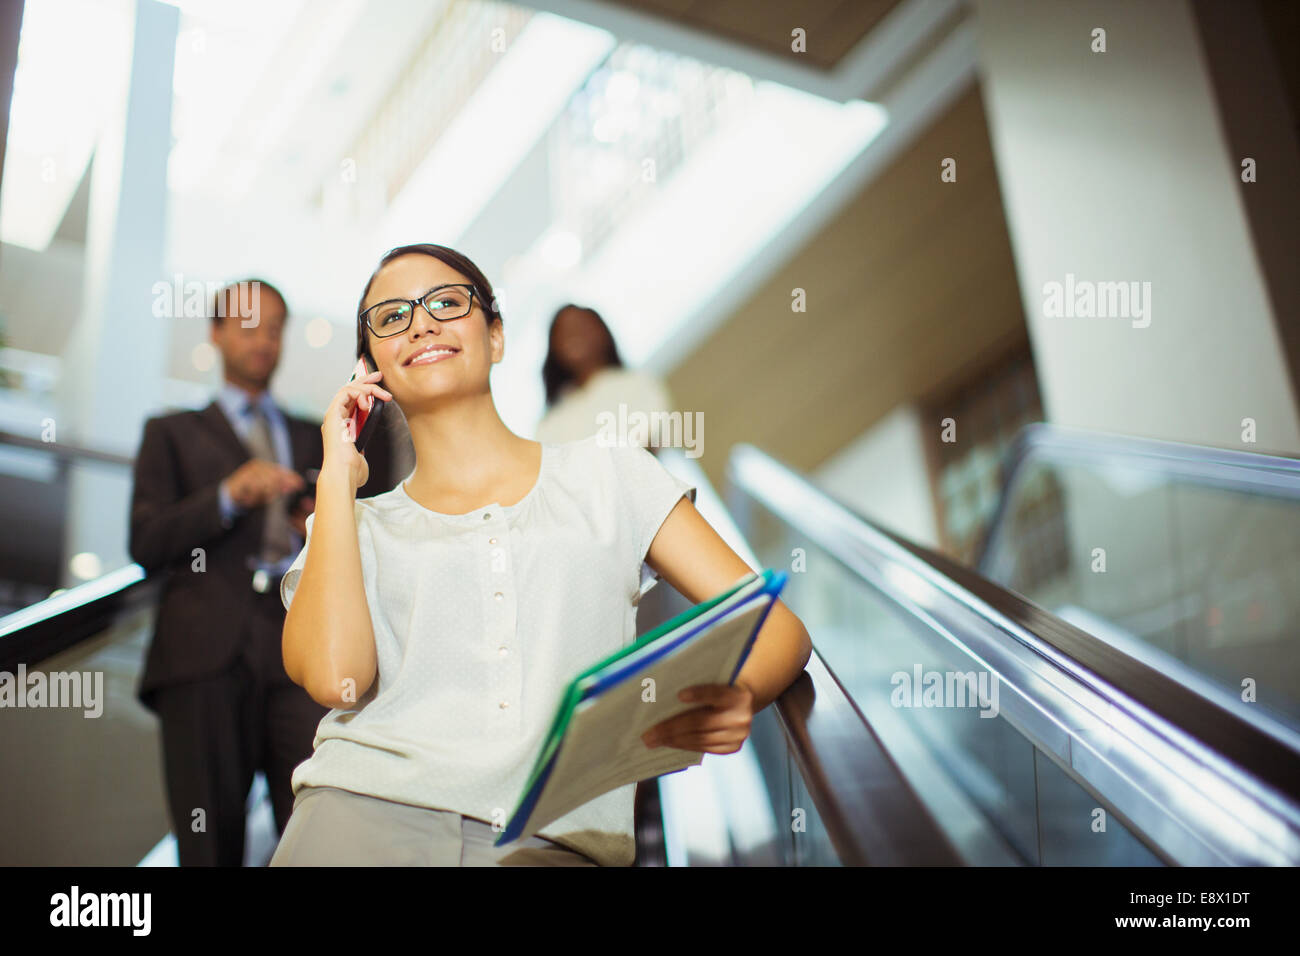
x: 328, y: 645
x: 694, y: 559
x: 329, y: 642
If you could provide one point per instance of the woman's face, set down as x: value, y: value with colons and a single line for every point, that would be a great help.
x: 411, y: 372
x: 578, y: 340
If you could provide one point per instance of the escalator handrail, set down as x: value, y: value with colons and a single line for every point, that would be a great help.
x: 64, y: 451
x: 1042, y: 437
x: 870, y: 811
x: 1265, y: 750
x: 1221, y: 467
x: 41, y: 630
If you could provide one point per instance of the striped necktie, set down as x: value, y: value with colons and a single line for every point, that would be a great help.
x: 276, y: 536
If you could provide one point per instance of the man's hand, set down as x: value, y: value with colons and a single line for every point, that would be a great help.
x: 257, y: 481
x: 720, y: 726
x: 298, y: 520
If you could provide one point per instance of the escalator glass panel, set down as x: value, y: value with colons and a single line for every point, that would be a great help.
x: 1198, y: 576
x: 1000, y: 797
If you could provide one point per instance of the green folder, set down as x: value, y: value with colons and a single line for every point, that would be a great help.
x: 733, y: 617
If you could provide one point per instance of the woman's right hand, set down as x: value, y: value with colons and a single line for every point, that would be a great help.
x: 341, y: 455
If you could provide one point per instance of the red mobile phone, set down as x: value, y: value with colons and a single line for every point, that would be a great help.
x: 365, y: 421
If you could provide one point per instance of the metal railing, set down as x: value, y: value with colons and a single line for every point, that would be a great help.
x: 870, y: 811
x: 1167, y: 760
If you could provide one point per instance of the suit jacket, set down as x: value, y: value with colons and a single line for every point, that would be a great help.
x: 202, y: 616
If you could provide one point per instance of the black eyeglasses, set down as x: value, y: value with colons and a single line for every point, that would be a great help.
x: 444, y: 303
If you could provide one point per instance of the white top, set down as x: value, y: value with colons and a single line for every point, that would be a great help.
x: 577, y: 414
x: 480, y: 621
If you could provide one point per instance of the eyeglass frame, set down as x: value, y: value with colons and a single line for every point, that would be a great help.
x: 473, y: 297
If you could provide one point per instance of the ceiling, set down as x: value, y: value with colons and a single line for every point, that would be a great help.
x: 911, y: 289
x: 831, y: 27
x: 269, y: 110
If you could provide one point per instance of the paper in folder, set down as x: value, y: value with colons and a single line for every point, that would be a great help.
x: 594, y: 744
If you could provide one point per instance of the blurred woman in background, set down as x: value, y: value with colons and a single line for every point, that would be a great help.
x: 585, y: 376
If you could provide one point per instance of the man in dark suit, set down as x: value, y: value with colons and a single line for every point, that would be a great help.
x: 219, y: 505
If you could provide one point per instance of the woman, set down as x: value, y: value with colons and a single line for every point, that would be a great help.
x: 585, y: 377
x: 441, y: 620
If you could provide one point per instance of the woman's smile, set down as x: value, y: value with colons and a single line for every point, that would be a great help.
x: 431, y: 354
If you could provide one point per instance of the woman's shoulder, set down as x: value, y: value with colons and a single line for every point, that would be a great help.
x: 374, y: 507
x: 596, y: 460
x: 394, y: 504
x: 595, y: 448
x: 576, y: 454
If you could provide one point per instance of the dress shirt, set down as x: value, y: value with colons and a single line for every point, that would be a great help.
x: 233, y: 401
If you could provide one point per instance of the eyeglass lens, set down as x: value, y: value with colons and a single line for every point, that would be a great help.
x: 443, y: 304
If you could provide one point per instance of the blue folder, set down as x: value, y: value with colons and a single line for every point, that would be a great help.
x: 635, y: 659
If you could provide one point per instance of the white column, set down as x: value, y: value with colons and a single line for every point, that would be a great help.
x: 115, y: 360
x: 1114, y: 167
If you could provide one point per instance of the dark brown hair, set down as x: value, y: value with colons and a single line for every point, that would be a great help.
x: 486, y: 298
x: 555, y: 374
x: 233, y: 289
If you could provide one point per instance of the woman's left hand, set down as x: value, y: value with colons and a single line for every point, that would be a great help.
x: 720, y: 726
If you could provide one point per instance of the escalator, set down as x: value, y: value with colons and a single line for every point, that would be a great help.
x: 1042, y: 710
x: 1032, y: 712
